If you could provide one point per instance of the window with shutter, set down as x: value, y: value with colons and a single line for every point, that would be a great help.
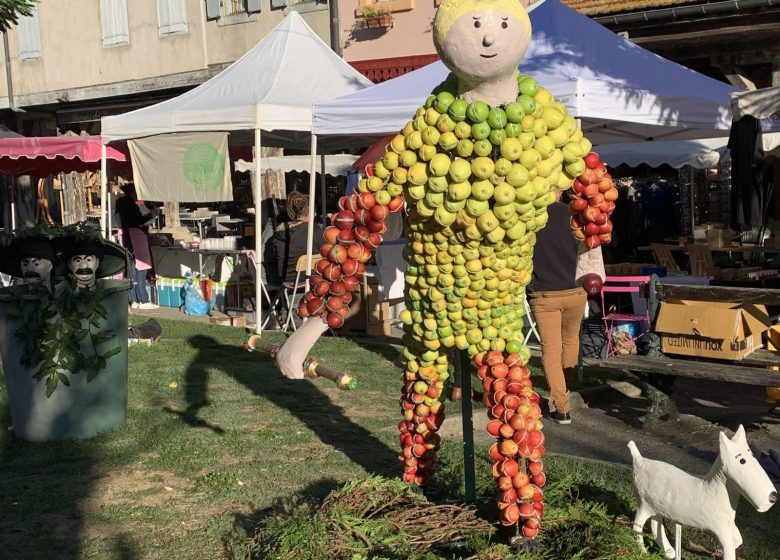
x: 231, y: 7
x: 253, y: 6
x: 212, y: 10
x: 113, y: 20
x: 28, y: 35
x: 171, y: 17
x: 277, y: 4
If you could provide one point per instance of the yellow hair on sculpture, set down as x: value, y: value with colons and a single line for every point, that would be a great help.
x: 451, y: 11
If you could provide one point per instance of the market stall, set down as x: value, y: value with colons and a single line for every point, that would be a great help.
x: 257, y: 99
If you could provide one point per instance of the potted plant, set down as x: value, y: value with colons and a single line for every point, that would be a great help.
x: 63, y: 333
x: 376, y: 16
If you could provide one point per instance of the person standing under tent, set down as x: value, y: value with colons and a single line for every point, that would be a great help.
x: 557, y: 304
x: 134, y: 226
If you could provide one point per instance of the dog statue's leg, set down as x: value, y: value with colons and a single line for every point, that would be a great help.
x: 726, y: 538
x: 659, y: 534
x: 643, y: 513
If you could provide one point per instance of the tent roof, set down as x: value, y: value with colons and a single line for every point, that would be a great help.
x: 271, y: 87
x: 47, y: 155
x: 621, y: 91
x: 759, y: 103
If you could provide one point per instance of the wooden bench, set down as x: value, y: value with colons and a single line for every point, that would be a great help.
x: 752, y: 370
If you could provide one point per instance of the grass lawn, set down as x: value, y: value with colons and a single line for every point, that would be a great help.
x: 216, y: 441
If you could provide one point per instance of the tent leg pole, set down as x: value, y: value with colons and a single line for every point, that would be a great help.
x: 312, y: 205
x: 258, y: 236
x: 103, y: 191
x: 13, y: 204
x: 323, y: 190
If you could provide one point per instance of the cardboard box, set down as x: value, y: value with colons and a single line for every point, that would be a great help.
x: 228, y: 320
x: 725, y: 331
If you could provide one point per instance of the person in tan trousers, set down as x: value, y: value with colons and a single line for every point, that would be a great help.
x: 557, y: 305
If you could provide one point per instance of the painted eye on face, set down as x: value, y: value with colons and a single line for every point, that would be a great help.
x: 742, y: 461
x: 504, y: 25
x: 477, y: 24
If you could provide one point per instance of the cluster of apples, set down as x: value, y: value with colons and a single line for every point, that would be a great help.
x: 515, y: 420
x: 355, y: 232
x: 423, y: 413
x: 593, y: 197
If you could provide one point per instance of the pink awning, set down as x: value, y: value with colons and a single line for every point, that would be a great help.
x: 48, y: 155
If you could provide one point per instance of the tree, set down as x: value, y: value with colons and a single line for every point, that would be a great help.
x: 11, y: 10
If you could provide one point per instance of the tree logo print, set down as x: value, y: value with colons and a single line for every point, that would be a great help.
x: 204, y: 167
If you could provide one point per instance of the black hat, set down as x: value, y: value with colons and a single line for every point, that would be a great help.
x: 25, y: 247
x: 113, y: 258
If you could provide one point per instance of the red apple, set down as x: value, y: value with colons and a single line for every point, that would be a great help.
x: 374, y: 240
x: 591, y: 190
x: 315, y: 307
x: 337, y: 254
x: 355, y: 251
x: 578, y: 204
x: 592, y: 160
x: 590, y: 214
x: 303, y: 309
x: 335, y: 321
x: 362, y: 217
x: 338, y: 288
x: 320, y: 287
x: 349, y: 266
x: 601, y: 219
x: 577, y: 187
x: 361, y: 233
x: 344, y: 219
x: 351, y: 283
x: 587, y: 177
x: 395, y: 204
x: 344, y: 203
x: 592, y: 241
x: 346, y: 237
x: 325, y: 249
x: 379, y: 213
x: 611, y: 195
x: 377, y: 227
x: 605, y: 228
x: 334, y: 304
x: 332, y: 272
x: 576, y: 223
x: 366, y: 200
x: 347, y: 297
x: 321, y: 264
x: 331, y: 234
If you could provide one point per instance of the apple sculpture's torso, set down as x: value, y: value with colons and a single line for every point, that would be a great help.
x: 477, y: 166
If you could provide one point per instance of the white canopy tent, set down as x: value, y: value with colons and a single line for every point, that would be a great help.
x: 335, y: 165
x: 270, y: 90
x: 759, y: 103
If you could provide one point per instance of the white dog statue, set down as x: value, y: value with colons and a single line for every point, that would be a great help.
x: 710, y: 502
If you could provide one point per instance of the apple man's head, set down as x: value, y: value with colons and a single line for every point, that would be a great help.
x: 482, y: 40
x: 83, y: 262
x: 36, y: 261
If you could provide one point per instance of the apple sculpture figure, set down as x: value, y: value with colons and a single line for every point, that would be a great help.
x: 475, y: 168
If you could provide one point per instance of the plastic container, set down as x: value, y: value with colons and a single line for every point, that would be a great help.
x: 81, y: 410
x: 169, y: 291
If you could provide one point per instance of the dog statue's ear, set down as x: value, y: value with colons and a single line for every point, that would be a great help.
x: 725, y: 443
x: 739, y: 435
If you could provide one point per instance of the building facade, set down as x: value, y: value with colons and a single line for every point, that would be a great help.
x: 75, y: 61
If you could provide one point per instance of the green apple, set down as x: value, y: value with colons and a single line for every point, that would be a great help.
x: 482, y: 167
x: 502, y: 167
x: 437, y: 184
x: 553, y: 117
x: 460, y: 190
x: 427, y: 151
x: 530, y: 159
x: 433, y: 199
x: 572, y: 152
x: 445, y: 123
x: 462, y: 130
x: 442, y: 101
x: 431, y: 136
x: 417, y: 174
x: 496, y: 235
x: 514, y: 112
x: 390, y: 160
x: 565, y: 181
x: 448, y: 141
x: 454, y: 205
x: 483, y: 148
x: 504, y: 193
x: 424, y: 210
x: 465, y: 147
x: 540, y: 128
x: 457, y: 109
x: 545, y: 168
x: 414, y: 140
x: 525, y: 194
x: 497, y: 136
x: 482, y: 189
x: 444, y: 217
x: 513, y: 130
x: 575, y: 168
x: 474, y: 233
x: 439, y: 165
x: 383, y: 197
x: 478, y: 112
x: 380, y: 170
x: 559, y: 135
x: 511, y: 220
x: 496, y: 118
x: 487, y: 221
x: 545, y: 146
x: 394, y: 189
x: 518, y: 175
x: 432, y: 117
x: 527, y: 140
x: 480, y: 130
x: 528, y: 85
x: 429, y: 101
x: 528, y: 104
x: 459, y: 271
x: 416, y: 192
x: 400, y: 175
x: 511, y: 149
x: 541, y: 186
x: 504, y: 212
x: 419, y: 124
x: 460, y: 170
x: 476, y: 208
x: 585, y: 145
x: 407, y: 159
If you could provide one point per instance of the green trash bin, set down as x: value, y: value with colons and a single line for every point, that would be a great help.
x: 83, y: 409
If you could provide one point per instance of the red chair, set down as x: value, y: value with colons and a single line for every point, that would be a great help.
x: 624, y: 285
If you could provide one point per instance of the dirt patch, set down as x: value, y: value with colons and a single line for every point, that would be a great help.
x: 137, y: 487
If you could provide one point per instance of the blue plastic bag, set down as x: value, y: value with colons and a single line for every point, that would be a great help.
x: 194, y: 304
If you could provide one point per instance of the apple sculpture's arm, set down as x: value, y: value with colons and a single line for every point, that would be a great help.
x: 592, y: 201
x: 355, y: 232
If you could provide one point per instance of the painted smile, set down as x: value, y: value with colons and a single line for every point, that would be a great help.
x: 488, y: 55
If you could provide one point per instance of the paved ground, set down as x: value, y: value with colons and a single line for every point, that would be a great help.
x: 602, y: 424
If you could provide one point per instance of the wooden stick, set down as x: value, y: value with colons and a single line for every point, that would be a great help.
x: 312, y: 367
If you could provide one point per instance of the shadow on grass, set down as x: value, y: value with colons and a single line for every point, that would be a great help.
x: 301, y: 398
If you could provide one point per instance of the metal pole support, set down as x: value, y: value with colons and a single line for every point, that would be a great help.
x: 469, y: 473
